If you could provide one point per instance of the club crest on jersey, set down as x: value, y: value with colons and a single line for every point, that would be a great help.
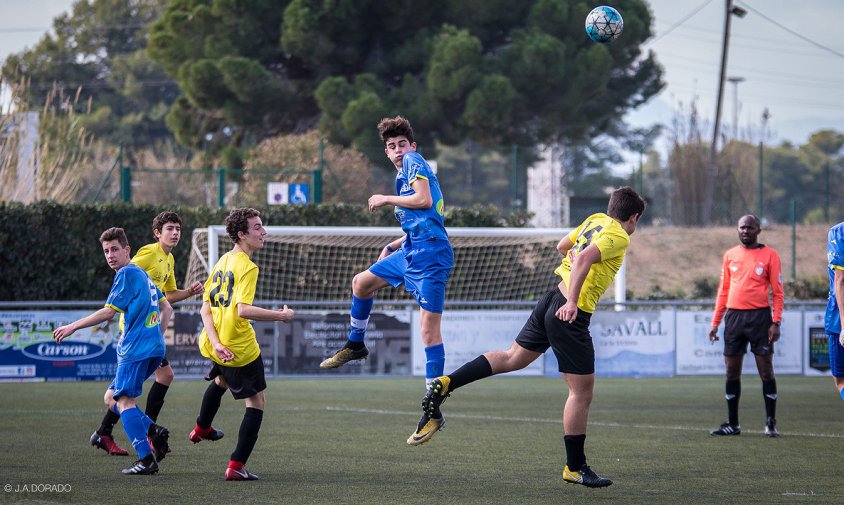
x: 760, y: 269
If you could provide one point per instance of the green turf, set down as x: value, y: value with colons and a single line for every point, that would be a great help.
x: 343, y: 441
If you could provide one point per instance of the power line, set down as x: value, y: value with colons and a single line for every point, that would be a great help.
x: 678, y: 23
x: 745, y: 41
x: 789, y: 30
x: 684, y: 60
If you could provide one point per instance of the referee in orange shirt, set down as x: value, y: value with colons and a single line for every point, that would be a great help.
x: 748, y: 271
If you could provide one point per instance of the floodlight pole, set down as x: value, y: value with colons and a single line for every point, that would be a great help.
x: 735, y: 82
x: 709, y: 191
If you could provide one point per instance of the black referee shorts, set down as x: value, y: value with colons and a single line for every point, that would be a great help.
x: 747, y: 326
x: 571, y: 342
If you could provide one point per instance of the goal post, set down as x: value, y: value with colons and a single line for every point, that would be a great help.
x: 317, y: 263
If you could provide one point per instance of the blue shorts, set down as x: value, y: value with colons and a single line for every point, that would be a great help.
x: 836, y: 356
x: 129, y: 381
x: 424, y: 269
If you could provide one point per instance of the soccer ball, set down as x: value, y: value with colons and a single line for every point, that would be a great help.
x: 604, y: 24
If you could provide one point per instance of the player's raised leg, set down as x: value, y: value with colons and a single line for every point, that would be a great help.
x: 364, y: 286
x: 486, y: 365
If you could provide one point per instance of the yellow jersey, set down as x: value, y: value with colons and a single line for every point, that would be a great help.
x: 232, y: 281
x: 160, y: 266
x: 611, y: 239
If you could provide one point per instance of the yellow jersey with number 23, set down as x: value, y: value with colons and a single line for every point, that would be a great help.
x: 232, y: 281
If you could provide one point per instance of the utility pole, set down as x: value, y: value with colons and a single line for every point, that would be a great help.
x: 709, y: 194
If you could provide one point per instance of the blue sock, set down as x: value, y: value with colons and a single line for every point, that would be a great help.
x: 841, y: 393
x: 133, y: 425
x: 361, y: 307
x: 434, y: 362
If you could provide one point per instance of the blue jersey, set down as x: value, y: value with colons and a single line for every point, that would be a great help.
x: 420, y: 224
x: 135, y: 295
x: 835, y: 260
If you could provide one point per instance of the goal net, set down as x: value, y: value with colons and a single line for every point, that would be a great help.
x: 318, y: 263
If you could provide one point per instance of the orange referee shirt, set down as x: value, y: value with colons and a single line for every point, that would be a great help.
x: 745, y: 277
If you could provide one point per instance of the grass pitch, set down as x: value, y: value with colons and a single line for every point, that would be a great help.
x: 342, y: 441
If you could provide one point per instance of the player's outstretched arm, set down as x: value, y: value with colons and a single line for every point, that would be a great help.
x: 254, y: 313
x: 100, y: 316
x: 182, y: 294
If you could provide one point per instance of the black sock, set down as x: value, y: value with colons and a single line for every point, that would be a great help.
x: 769, y: 390
x: 575, y: 455
x: 478, y: 368
x: 109, y: 420
x: 355, y: 345
x: 155, y: 400
x: 733, y: 390
x: 248, y: 434
x: 210, y: 405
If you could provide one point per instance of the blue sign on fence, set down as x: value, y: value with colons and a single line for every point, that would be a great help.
x: 298, y: 194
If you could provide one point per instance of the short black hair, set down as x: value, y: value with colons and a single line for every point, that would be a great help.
x: 237, y: 221
x: 168, y: 216
x: 624, y: 202
x: 117, y: 234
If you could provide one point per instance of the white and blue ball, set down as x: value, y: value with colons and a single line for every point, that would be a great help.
x: 604, y: 24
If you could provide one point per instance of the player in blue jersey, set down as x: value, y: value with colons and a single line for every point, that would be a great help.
x: 139, y: 350
x: 422, y: 259
x: 834, y: 319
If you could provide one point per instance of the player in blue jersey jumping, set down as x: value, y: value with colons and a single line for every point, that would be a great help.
x: 139, y: 350
x: 834, y: 319
x: 422, y: 259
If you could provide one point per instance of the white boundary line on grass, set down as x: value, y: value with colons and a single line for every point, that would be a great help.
x: 558, y: 421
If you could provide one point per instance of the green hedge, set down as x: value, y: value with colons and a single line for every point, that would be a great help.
x: 51, y: 251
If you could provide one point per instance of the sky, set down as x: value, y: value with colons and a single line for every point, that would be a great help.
x: 798, y: 80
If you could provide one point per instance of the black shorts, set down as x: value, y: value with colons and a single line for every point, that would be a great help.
x: 243, y: 381
x: 572, y: 343
x: 743, y: 326
x: 164, y: 362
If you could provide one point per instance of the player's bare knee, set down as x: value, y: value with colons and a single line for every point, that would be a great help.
x: 256, y: 402
x: 357, y: 284
x: 164, y: 375
x: 362, y: 286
